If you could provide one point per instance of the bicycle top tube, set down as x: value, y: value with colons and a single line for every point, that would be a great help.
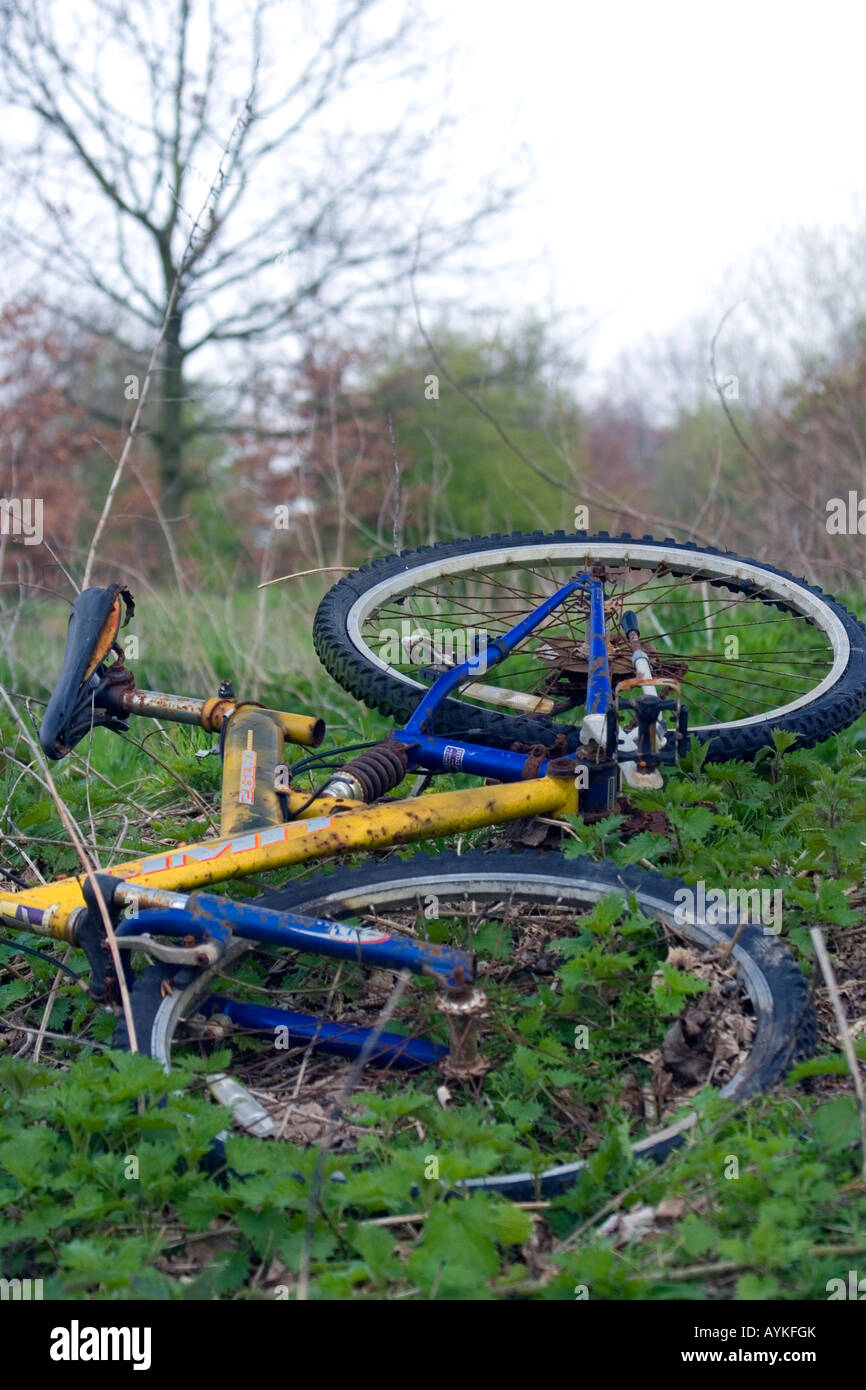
x: 599, y: 693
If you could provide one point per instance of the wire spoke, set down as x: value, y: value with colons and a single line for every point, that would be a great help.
x: 494, y: 599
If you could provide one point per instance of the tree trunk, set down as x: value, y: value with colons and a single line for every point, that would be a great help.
x: 173, y: 478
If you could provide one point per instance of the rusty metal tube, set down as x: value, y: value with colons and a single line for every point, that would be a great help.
x: 325, y: 804
x: 306, y: 730
x: 180, y: 709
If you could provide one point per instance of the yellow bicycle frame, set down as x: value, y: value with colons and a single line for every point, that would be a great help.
x: 255, y: 839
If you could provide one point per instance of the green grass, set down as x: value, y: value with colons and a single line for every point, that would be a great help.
x: 103, y: 1198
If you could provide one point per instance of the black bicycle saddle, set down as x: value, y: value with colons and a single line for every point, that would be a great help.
x: 73, y: 710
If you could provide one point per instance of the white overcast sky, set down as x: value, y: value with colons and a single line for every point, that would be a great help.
x: 670, y: 140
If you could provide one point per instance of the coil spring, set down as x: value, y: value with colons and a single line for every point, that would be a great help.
x: 379, y: 769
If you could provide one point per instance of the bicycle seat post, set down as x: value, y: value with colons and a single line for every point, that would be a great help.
x: 252, y: 749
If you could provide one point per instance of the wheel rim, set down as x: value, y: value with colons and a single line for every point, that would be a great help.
x: 574, y: 888
x: 524, y: 887
x: 534, y: 886
x: 754, y: 588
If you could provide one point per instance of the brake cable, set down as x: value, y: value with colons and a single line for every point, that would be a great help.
x: 15, y: 947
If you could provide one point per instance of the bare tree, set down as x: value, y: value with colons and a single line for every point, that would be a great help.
x: 126, y: 110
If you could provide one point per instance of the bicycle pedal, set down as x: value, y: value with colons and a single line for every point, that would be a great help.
x: 643, y: 781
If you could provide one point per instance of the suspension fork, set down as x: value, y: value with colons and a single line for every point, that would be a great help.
x: 215, y: 919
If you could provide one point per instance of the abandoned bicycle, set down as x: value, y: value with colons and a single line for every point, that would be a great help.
x: 562, y: 682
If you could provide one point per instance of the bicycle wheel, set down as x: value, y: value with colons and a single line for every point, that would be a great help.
x: 755, y: 648
x: 535, y: 901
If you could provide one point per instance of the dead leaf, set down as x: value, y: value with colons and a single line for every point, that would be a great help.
x: 624, y: 1226
x: 671, y: 1209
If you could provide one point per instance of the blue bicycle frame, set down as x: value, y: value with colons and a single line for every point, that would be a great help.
x: 209, y: 916
x: 431, y: 754
x: 599, y: 693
